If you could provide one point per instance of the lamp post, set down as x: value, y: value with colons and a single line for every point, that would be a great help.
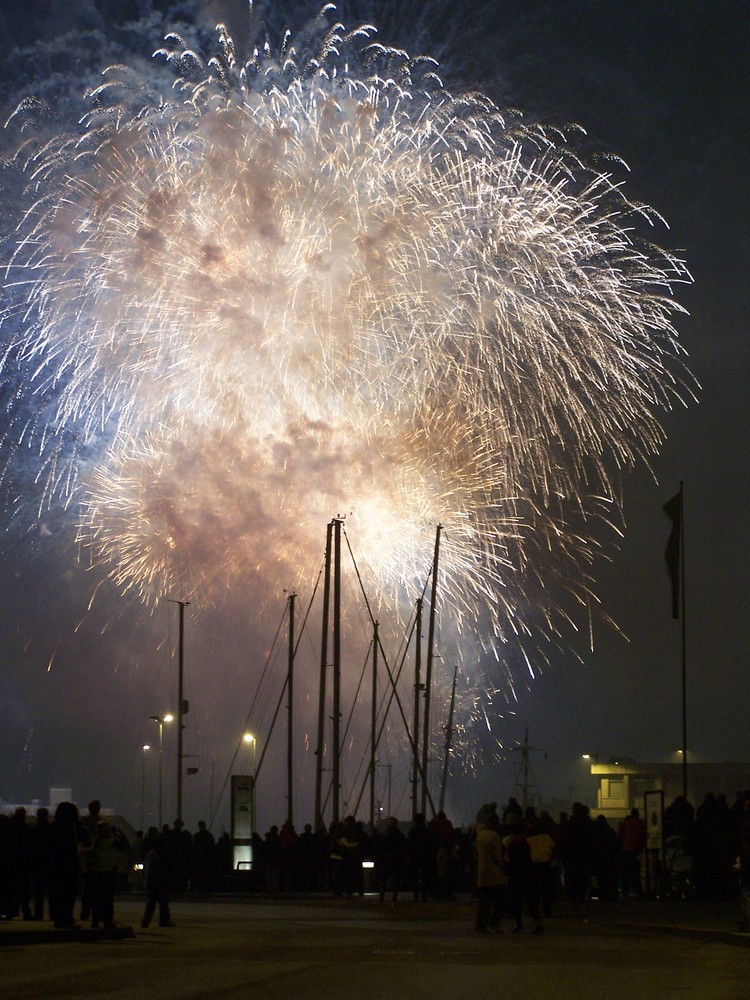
x: 596, y: 791
x: 247, y: 739
x: 144, y: 749
x: 160, y: 720
x: 182, y: 705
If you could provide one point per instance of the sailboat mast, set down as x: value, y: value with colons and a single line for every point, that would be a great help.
x: 336, y: 669
x: 448, y: 738
x: 428, y: 675
x: 182, y: 705
x: 417, y: 691
x: 290, y: 715
x: 322, y: 691
x: 373, y: 722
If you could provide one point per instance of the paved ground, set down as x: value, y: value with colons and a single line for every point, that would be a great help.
x: 323, y: 949
x: 691, y: 918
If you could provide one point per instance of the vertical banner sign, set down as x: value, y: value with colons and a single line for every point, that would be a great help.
x: 243, y: 821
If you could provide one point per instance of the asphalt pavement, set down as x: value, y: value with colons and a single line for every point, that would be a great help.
x: 703, y: 920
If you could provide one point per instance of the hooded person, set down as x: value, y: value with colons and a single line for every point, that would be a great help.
x: 484, y: 813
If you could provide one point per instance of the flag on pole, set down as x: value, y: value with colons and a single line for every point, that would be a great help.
x: 672, y: 552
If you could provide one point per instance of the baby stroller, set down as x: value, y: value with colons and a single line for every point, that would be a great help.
x: 677, y: 877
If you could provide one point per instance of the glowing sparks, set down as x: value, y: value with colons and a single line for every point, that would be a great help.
x: 312, y: 286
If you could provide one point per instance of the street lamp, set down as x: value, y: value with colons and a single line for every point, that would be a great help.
x: 592, y: 759
x: 144, y: 748
x: 160, y: 720
x: 249, y: 738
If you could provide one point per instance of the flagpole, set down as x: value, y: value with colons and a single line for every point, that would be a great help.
x: 684, y: 645
x: 675, y: 556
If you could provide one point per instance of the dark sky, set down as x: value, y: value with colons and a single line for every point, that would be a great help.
x: 665, y: 86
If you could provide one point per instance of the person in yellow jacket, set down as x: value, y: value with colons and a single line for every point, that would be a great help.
x: 543, y: 856
x: 490, y: 876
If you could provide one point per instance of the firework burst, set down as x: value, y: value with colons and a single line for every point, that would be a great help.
x: 318, y: 283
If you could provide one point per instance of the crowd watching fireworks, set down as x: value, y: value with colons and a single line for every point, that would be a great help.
x: 67, y: 867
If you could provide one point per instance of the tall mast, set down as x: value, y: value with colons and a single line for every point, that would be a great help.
x: 675, y: 556
x: 322, y: 693
x: 684, y: 644
x: 290, y: 715
x: 336, y: 669
x: 428, y: 676
x: 373, y: 722
x: 182, y: 705
x: 448, y: 738
x: 417, y: 690
x: 525, y: 750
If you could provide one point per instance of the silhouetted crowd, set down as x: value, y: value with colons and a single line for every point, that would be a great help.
x: 528, y: 859
x: 52, y: 862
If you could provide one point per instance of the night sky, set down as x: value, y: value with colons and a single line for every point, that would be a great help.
x: 665, y: 86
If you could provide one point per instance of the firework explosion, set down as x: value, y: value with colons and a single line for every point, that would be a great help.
x: 320, y: 284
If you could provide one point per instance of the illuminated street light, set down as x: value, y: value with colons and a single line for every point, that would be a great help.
x: 144, y: 748
x: 249, y: 738
x: 160, y: 720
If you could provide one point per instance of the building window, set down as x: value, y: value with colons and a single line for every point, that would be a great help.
x: 615, y: 789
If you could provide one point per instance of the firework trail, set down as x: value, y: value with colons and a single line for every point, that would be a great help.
x: 318, y: 283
